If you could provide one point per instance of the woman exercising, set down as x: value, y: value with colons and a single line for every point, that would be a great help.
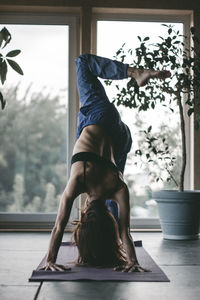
x: 97, y: 165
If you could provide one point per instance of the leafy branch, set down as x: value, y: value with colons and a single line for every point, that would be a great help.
x: 5, y: 60
x: 172, y: 53
x: 155, y: 149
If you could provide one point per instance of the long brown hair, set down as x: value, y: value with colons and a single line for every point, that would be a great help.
x: 97, y: 237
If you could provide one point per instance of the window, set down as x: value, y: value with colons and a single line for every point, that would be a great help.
x: 106, y: 39
x: 40, y: 118
x: 112, y: 31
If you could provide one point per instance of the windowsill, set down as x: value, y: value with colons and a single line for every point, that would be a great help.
x: 46, y: 221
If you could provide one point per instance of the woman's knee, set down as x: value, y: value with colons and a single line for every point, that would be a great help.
x: 82, y: 58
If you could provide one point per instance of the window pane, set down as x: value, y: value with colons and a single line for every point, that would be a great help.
x: 33, y: 124
x: 163, y: 121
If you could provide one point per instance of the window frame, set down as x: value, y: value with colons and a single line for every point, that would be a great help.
x: 28, y: 221
x: 151, y: 15
x: 42, y: 220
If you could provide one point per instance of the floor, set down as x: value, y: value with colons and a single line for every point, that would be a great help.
x: 21, y: 252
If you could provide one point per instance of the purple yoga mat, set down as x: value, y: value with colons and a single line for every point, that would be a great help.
x: 68, y: 254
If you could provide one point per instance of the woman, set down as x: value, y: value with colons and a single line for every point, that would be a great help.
x: 98, y: 162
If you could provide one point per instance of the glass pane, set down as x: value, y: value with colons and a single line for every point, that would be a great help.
x: 163, y: 121
x: 33, y: 124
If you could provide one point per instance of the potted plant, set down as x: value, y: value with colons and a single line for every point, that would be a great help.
x: 179, y: 209
x: 5, y: 60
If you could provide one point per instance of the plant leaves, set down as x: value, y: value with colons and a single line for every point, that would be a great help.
x: 190, y: 111
x: 3, y: 71
x: 169, y: 30
x: 13, y: 53
x: 5, y: 36
x: 15, y: 66
x: 118, y: 52
x: 3, y: 102
x: 1, y: 38
x: 138, y: 152
x: 154, y: 150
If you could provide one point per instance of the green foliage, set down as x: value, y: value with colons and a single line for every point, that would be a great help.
x: 32, y: 152
x: 5, y: 38
x: 155, y: 153
x: 171, y: 53
x: 15, y: 66
x: 3, y: 102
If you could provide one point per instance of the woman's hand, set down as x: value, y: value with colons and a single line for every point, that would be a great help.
x: 55, y: 267
x: 131, y: 267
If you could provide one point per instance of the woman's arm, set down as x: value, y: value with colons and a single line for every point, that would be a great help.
x: 71, y: 191
x: 122, y: 198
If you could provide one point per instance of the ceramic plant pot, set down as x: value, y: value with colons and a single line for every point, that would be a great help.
x: 179, y: 214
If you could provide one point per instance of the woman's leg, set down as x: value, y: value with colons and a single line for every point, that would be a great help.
x: 88, y: 68
x: 92, y: 92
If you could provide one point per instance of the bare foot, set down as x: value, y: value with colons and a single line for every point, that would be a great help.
x: 142, y: 76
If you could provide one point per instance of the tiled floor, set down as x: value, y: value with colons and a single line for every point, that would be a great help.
x: 21, y: 252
